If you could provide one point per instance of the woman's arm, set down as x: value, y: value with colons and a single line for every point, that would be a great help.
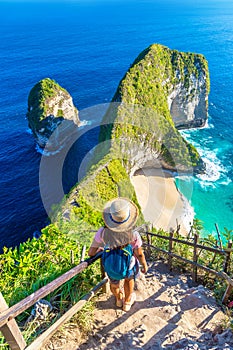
x: 92, y: 251
x: 141, y: 257
x: 95, y: 248
x: 97, y: 244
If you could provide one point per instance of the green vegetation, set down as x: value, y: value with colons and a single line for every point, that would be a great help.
x: 38, y: 103
x: 206, y: 258
x: 142, y: 112
x: 37, y: 262
x: 104, y: 182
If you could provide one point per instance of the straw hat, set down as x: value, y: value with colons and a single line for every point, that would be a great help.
x: 120, y: 214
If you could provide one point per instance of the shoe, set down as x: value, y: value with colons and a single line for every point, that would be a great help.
x: 120, y: 301
x: 127, y: 304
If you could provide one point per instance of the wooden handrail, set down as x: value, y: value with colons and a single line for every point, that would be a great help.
x: 221, y: 274
x: 24, y: 304
x: 191, y: 244
x: 43, y: 338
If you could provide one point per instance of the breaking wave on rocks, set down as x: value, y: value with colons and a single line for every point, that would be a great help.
x: 215, y: 172
x: 53, y: 151
x: 45, y: 152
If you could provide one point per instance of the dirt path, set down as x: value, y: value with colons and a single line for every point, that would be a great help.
x: 168, y: 314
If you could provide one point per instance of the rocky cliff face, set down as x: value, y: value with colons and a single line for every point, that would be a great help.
x: 188, y: 98
x: 162, y: 91
x: 48, y: 105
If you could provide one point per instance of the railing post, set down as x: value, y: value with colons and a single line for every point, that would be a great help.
x: 83, y: 254
x: 148, y: 237
x: 177, y: 227
x: 219, y: 236
x: 194, y: 274
x: 228, y: 256
x: 170, y: 249
x: 11, y: 331
x: 227, y: 294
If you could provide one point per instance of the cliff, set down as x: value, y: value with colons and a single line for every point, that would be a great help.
x: 176, y: 83
x: 163, y: 90
x: 48, y: 105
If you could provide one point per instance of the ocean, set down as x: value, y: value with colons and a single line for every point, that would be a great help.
x: 87, y: 46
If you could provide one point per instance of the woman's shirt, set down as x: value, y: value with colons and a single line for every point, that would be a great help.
x: 99, y: 239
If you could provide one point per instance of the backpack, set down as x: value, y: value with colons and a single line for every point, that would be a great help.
x: 116, y: 262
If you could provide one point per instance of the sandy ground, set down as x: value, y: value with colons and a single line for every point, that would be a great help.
x: 162, y: 204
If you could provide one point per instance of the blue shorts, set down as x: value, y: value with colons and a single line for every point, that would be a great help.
x: 135, y: 273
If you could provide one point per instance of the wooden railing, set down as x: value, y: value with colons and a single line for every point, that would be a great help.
x: 12, y: 333
x: 8, y: 325
x: 223, y: 274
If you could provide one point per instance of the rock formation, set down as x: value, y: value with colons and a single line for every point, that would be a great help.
x: 48, y: 105
x: 163, y: 90
x: 181, y: 78
x: 188, y: 98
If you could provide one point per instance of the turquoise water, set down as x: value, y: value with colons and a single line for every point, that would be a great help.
x: 87, y: 46
x: 211, y: 194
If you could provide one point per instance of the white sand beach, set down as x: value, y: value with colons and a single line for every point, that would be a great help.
x: 162, y: 204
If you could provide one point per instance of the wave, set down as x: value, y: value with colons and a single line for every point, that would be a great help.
x: 85, y: 123
x: 213, y: 169
x: 208, y: 124
x: 39, y: 149
x: 45, y: 152
x: 188, y: 213
x: 215, y: 172
x: 29, y: 131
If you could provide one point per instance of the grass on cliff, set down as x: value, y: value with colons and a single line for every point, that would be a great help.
x: 34, y: 264
x: 105, y: 181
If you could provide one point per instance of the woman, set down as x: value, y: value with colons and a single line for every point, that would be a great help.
x: 120, y: 216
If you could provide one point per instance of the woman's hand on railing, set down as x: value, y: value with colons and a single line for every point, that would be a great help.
x: 94, y: 250
x: 100, y: 249
x: 144, y: 268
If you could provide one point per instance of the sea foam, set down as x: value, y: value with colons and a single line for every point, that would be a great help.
x: 215, y: 172
x: 46, y: 152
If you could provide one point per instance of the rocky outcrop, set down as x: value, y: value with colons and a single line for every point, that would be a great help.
x: 188, y: 98
x: 162, y: 91
x: 48, y: 105
x: 179, y: 79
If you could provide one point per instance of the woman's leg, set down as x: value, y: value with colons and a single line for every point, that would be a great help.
x: 115, y: 289
x: 128, y: 288
x: 117, y: 292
